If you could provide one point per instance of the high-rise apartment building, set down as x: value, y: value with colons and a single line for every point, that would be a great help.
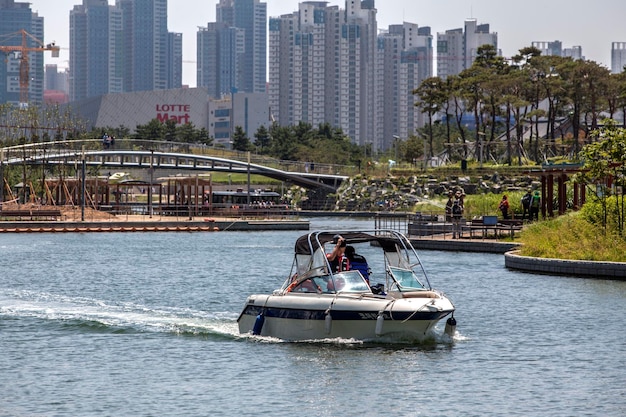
x: 552, y: 48
x: 575, y: 52
x: 330, y: 65
x: 457, y: 48
x: 53, y: 79
x: 56, y: 85
x: 174, y: 68
x: 251, y: 16
x: 555, y: 48
x: 15, y: 16
x: 146, y: 44
x: 147, y: 48
x: 618, y: 57
x: 232, y: 52
x: 122, y: 48
x: 220, y: 51
x: 359, y: 45
x: 405, y: 58
x: 322, y: 67
x: 96, y: 45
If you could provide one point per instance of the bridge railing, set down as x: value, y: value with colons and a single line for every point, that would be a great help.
x: 75, y: 147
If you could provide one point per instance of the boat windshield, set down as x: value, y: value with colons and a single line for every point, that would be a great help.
x: 342, y: 282
x: 405, y: 279
x: 347, y: 282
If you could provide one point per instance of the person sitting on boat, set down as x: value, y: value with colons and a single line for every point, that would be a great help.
x: 337, y: 258
x: 358, y: 263
x: 337, y: 286
x: 307, y: 286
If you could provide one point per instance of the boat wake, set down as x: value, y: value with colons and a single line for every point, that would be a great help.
x: 83, y: 314
x: 88, y: 314
x: 436, y: 338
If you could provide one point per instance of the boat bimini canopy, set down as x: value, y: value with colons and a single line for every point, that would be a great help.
x: 310, y: 257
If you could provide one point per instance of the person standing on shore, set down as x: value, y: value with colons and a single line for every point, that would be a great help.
x: 449, y: 206
x: 457, y: 214
x: 504, y: 207
x: 535, y: 203
x: 526, y: 205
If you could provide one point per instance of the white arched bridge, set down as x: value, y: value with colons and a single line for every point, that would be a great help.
x: 140, y: 154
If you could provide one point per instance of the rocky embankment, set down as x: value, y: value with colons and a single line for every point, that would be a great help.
x: 400, y: 192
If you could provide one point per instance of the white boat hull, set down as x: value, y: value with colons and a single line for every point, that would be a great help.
x: 346, y: 316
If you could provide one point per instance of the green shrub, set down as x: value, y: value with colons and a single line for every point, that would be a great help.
x: 572, y: 236
x: 600, y: 212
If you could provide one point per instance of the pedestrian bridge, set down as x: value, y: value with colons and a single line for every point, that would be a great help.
x: 139, y: 154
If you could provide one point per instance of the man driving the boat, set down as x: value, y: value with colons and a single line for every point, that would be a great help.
x: 337, y: 258
x: 358, y: 262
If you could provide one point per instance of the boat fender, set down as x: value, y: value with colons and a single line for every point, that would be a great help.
x: 450, y: 326
x: 258, y: 324
x: 328, y: 322
x: 379, y: 323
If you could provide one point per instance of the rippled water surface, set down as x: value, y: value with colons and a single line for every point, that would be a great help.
x: 145, y: 325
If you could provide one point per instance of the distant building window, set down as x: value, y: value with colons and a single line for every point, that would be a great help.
x: 222, y: 113
x: 222, y: 125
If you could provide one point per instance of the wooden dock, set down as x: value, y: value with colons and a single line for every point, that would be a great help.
x: 134, y: 226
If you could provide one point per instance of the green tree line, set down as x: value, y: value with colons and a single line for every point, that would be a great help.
x: 302, y: 142
x: 518, y: 106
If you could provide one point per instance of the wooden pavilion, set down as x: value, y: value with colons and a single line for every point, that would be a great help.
x: 560, y: 175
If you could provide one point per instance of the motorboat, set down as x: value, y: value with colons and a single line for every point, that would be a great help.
x: 391, y: 300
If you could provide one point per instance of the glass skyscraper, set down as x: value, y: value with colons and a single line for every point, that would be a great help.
x: 232, y: 52
x: 96, y: 44
x: 15, y: 16
x: 122, y: 48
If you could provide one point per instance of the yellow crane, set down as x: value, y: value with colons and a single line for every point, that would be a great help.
x: 23, y: 51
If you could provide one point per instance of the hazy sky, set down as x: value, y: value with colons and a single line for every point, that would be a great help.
x: 592, y: 25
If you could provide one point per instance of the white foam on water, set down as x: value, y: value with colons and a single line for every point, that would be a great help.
x: 127, y: 316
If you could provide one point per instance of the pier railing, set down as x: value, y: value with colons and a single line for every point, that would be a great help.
x: 437, y: 226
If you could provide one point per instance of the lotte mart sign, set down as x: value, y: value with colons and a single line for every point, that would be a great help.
x: 177, y: 112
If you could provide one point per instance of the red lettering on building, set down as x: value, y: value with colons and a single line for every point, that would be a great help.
x: 181, y: 118
x: 177, y: 112
x: 182, y: 108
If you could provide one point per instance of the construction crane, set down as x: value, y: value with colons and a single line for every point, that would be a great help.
x: 23, y: 50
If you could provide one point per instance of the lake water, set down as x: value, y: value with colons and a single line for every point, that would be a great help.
x: 144, y: 324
